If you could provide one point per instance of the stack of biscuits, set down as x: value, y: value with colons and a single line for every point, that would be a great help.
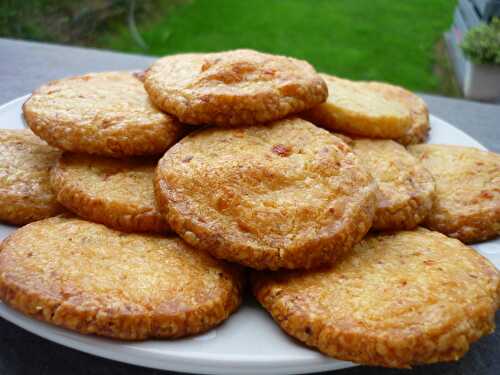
x: 147, y: 197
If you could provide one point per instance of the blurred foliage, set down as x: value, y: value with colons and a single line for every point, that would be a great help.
x: 482, y: 43
x: 70, y: 21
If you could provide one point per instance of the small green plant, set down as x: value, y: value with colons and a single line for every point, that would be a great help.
x: 481, y: 44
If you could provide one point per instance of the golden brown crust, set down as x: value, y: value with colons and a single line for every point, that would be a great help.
x: 406, y: 188
x: 94, y: 280
x: 286, y: 194
x: 397, y: 300
x: 355, y: 108
x: 116, y: 193
x: 419, y: 129
x: 467, y: 202
x: 25, y: 192
x: 108, y: 114
x: 240, y: 87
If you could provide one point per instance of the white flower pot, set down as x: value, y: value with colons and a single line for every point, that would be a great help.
x: 481, y: 81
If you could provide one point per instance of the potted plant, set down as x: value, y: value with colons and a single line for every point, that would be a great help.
x: 481, y: 47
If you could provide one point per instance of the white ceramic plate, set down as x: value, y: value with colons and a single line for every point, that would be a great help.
x: 248, y: 343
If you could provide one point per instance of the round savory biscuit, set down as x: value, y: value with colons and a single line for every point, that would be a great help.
x: 117, y: 193
x: 406, y: 188
x: 357, y: 109
x: 467, y: 201
x: 239, y: 87
x: 25, y: 192
x: 286, y: 194
x: 108, y: 114
x: 397, y: 300
x: 419, y: 128
x: 95, y: 280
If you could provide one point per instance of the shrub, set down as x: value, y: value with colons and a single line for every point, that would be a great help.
x: 70, y: 21
x: 481, y: 44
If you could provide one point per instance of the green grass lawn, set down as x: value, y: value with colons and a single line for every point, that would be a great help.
x: 386, y: 40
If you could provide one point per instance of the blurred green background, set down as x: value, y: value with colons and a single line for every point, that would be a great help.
x: 394, y: 41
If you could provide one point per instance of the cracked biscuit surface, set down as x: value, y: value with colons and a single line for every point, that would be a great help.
x: 239, y: 87
x: 467, y: 202
x: 286, y: 194
x: 108, y: 114
x: 406, y: 188
x: 25, y: 192
x: 95, y: 280
x: 116, y: 193
x: 397, y: 300
x: 356, y: 108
